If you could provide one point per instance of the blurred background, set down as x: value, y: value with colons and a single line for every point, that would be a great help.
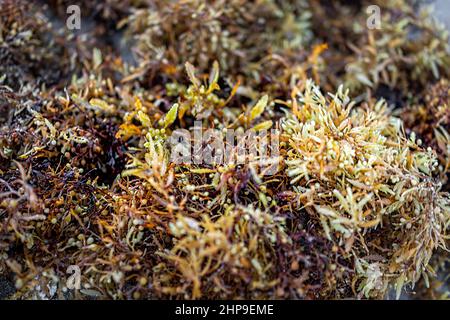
x: 442, y: 11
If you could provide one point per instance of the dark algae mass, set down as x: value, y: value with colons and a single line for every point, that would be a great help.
x: 106, y: 192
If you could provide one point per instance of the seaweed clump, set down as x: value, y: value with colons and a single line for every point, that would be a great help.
x: 430, y: 121
x: 101, y: 170
x: 30, y: 49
